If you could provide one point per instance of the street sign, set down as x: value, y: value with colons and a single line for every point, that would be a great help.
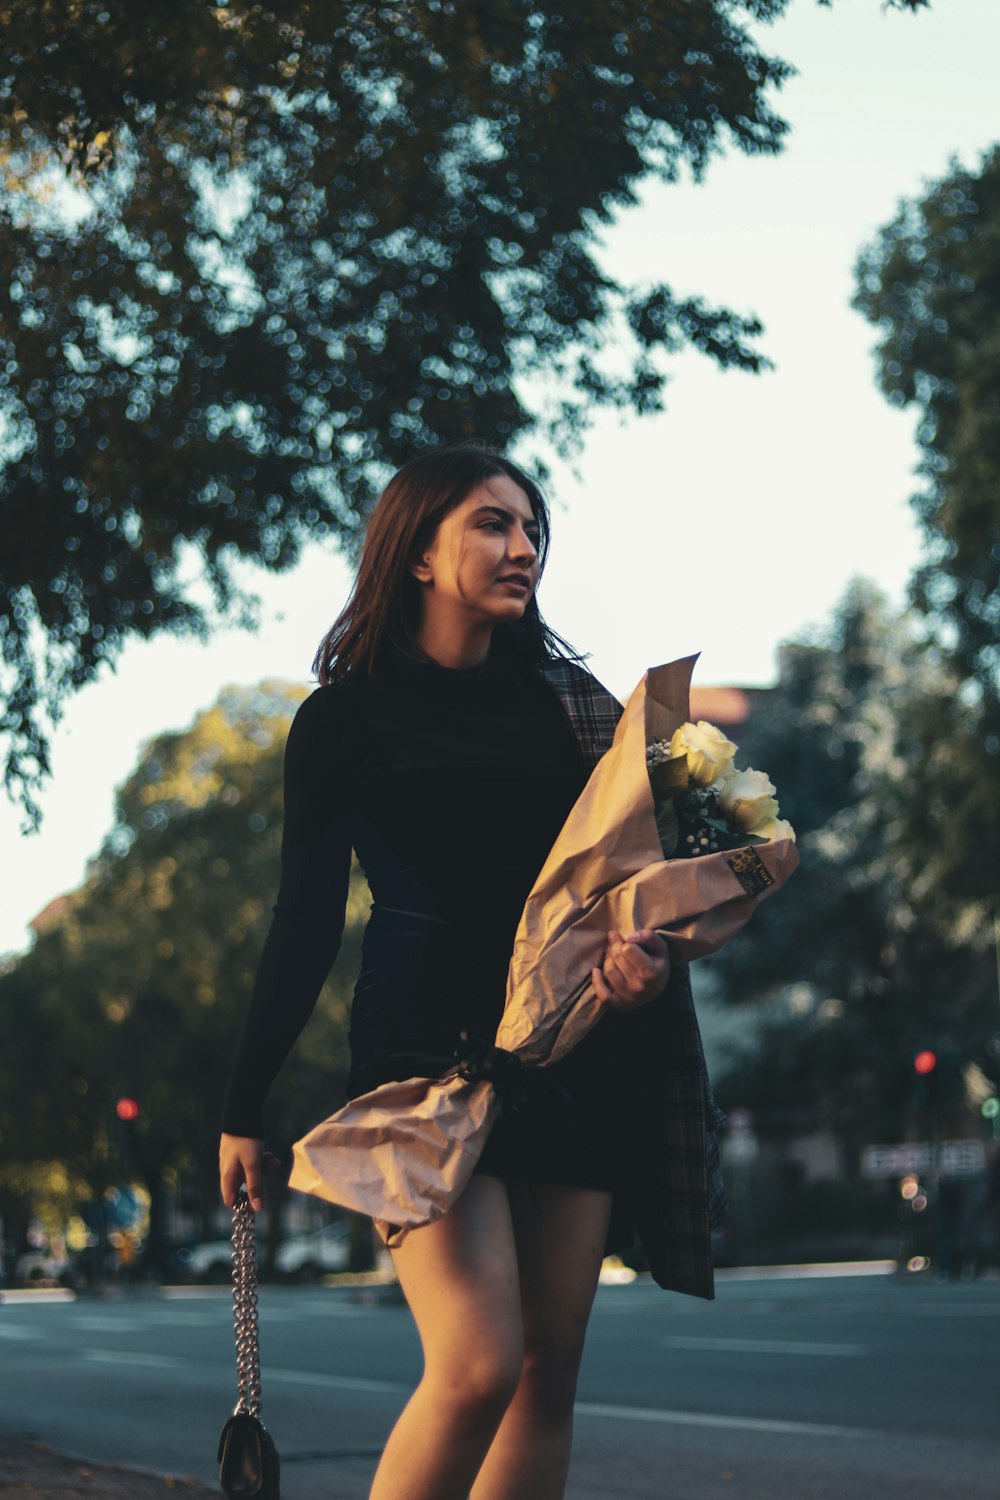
x: 962, y: 1159
x: 949, y: 1158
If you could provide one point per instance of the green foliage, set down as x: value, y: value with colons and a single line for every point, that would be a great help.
x: 252, y: 260
x: 929, y: 280
x: 858, y: 951
x: 139, y: 986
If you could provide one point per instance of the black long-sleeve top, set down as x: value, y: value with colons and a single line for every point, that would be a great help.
x: 451, y: 785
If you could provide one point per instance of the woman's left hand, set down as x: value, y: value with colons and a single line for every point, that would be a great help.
x: 635, y: 970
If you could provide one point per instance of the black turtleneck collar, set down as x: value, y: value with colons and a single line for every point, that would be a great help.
x: 400, y: 664
x: 427, y: 663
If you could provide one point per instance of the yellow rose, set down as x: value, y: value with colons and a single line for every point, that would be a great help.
x: 773, y: 828
x: 709, y: 753
x: 748, y: 798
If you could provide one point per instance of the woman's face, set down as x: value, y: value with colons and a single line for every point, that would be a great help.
x: 490, y: 535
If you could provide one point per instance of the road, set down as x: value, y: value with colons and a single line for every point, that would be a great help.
x: 799, y: 1388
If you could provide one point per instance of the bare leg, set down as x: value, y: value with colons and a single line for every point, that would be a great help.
x: 560, y: 1234
x: 461, y: 1282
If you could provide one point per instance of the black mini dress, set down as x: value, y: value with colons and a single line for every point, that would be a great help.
x: 451, y: 785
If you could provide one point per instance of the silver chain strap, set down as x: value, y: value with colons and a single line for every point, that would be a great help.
x: 245, y: 1307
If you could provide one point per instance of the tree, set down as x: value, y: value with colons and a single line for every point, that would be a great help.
x: 929, y: 281
x: 254, y: 258
x: 867, y: 973
x: 138, y: 986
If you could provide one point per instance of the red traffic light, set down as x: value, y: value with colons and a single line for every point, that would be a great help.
x: 925, y: 1062
x: 126, y: 1109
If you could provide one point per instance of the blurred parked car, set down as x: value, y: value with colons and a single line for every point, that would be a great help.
x: 210, y: 1261
x: 301, y: 1257
x: 305, y: 1257
x: 37, y: 1268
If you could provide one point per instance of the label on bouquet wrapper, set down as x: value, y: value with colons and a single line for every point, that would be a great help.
x: 751, y: 871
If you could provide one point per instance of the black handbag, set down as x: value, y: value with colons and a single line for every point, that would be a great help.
x: 248, y: 1460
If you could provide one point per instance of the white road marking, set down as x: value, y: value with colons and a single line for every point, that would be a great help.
x: 711, y: 1419
x: 762, y: 1346
x: 338, y: 1382
x: 330, y: 1310
x: 108, y: 1323
x: 182, y: 1320
x: 124, y: 1357
x: 591, y: 1408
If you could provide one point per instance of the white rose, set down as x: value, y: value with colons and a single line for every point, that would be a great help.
x: 773, y: 828
x: 709, y: 753
x: 748, y: 798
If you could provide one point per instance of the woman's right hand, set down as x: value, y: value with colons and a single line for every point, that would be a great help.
x: 242, y: 1158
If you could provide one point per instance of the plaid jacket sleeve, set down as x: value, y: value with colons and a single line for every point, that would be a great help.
x: 675, y: 1194
x: 590, y: 708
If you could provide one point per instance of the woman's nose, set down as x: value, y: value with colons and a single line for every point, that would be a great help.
x: 524, y: 546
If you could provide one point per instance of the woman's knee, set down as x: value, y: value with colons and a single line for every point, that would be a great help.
x: 480, y: 1381
x: 549, y: 1374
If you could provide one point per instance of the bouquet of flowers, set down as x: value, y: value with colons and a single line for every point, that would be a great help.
x: 703, y: 803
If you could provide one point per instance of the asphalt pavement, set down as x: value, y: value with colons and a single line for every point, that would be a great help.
x: 798, y: 1386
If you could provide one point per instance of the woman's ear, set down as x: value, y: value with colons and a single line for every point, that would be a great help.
x: 420, y: 568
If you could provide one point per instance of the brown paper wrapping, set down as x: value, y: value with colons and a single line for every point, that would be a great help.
x: 404, y: 1152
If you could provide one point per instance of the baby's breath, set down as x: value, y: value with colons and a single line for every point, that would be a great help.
x: 698, y: 819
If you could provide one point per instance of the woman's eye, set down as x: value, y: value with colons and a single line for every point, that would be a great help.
x: 533, y: 536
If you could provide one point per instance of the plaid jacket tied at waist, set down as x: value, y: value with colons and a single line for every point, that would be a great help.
x: 674, y: 1194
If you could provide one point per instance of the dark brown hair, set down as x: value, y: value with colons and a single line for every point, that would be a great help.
x: 384, y: 604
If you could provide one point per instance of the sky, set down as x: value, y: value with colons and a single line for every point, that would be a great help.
x: 732, y: 521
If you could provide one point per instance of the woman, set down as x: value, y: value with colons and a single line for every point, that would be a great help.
x: 437, y: 749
